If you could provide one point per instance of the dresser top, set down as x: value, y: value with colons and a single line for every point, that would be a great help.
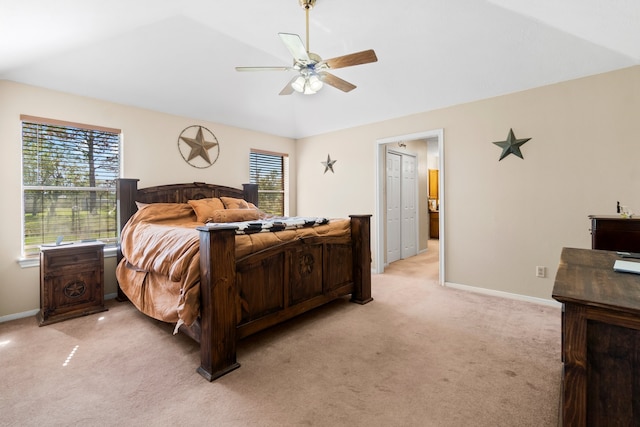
x: 614, y: 217
x: 586, y: 277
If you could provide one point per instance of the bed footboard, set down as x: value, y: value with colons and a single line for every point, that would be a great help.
x: 229, y: 294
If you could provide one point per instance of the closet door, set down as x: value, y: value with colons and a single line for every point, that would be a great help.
x: 408, y: 226
x: 394, y: 162
x: 401, y: 195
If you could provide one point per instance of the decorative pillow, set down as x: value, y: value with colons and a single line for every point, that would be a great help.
x: 166, y: 213
x: 261, y: 214
x: 204, y: 208
x: 231, y: 203
x: 235, y: 215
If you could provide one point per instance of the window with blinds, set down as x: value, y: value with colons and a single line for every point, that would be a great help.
x: 271, y: 172
x: 68, y: 182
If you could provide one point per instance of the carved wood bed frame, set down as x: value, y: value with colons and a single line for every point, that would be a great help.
x: 243, y: 296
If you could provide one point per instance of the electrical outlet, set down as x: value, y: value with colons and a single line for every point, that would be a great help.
x: 541, y: 271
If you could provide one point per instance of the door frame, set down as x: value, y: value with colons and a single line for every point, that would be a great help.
x: 380, y: 155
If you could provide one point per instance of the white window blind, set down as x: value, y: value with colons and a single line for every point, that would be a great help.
x: 68, y: 177
x: 271, y: 172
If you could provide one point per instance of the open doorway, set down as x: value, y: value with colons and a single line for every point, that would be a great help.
x: 433, y: 138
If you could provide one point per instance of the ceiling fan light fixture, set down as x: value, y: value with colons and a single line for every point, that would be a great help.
x: 308, y: 82
x: 315, y: 83
x: 307, y: 89
x: 299, y: 84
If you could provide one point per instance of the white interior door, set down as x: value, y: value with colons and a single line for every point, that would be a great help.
x: 393, y: 162
x: 409, y: 209
x: 401, y: 206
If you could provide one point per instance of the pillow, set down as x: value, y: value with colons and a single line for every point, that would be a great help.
x: 235, y: 215
x: 165, y: 213
x: 141, y: 205
x: 204, y: 208
x: 231, y: 203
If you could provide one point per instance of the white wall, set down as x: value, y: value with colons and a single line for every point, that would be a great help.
x: 150, y: 153
x: 503, y: 218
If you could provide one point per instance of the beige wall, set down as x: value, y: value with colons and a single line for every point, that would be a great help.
x: 150, y: 153
x: 503, y: 218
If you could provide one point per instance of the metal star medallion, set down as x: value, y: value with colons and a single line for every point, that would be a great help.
x: 199, y: 147
x: 511, y: 145
x: 328, y: 165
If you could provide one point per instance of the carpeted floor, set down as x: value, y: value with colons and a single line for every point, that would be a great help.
x: 418, y: 355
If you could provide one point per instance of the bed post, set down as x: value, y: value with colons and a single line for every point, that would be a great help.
x: 361, y: 244
x: 250, y: 193
x: 126, y: 189
x: 218, y: 319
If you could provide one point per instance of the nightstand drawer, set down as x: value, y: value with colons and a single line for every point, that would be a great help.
x: 67, y: 258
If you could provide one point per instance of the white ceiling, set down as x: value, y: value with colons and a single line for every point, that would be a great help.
x: 179, y: 56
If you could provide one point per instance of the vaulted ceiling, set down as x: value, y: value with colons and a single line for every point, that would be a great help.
x: 179, y: 57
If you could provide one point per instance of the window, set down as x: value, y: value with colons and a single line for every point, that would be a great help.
x: 271, y: 172
x: 68, y: 182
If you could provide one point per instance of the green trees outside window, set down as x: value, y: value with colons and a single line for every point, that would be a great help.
x: 69, y: 174
x: 270, y: 172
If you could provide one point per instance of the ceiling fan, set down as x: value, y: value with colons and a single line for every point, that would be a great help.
x: 312, y: 70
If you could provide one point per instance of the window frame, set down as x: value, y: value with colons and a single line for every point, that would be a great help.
x: 28, y: 255
x: 285, y: 176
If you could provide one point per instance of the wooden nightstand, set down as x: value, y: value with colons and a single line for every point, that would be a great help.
x: 71, y: 281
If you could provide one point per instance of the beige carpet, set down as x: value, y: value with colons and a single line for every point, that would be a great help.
x: 419, y: 355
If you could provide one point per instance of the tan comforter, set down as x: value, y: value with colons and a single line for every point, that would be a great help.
x: 160, y: 271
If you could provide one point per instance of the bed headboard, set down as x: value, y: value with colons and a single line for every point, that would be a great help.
x: 128, y: 193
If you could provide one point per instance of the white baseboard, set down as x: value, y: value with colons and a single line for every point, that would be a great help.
x: 28, y: 313
x: 17, y: 316
x: 501, y: 294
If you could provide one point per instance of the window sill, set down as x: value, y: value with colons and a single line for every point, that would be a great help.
x: 34, y: 261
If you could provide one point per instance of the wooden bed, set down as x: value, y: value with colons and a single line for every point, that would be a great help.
x: 239, y: 297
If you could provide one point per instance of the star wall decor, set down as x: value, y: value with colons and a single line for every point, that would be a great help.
x: 195, y: 149
x: 511, y: 145
x: 328, y: 165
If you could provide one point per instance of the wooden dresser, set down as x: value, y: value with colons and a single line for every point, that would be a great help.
x: 71, y: 281
x: 614, y: 233
x: 600, y: 339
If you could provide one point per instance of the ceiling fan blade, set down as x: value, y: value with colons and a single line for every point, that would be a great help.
x: 336, y: 82
x: 364, y: 57
x: 296, y: 47
x: 264, y: 68
x: 288, y: 89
